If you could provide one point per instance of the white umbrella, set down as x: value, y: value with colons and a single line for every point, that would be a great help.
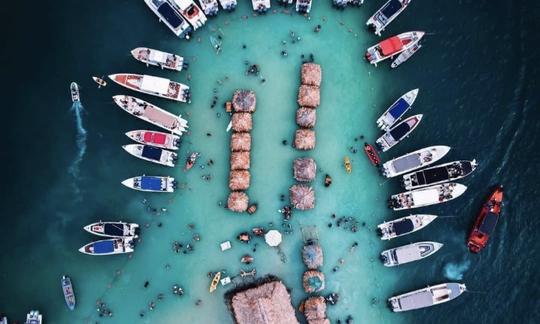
x: 273, y: 238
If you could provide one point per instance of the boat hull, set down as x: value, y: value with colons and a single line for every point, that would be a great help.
x: 438, y: 174
x: 155, y: 86
x: 486, y: 221
x: 409, y: 253
x: 69, y: 294
x: 426, y: 297
x: 397, y: 110
x: 152, y: 154
x: 404, y: 225
x: 108, y: 247
x: 155, y: 184
x: 164, y: 60
x: 427, y: 196
x: 414, y: 160
x: 382, y: 18
x: 399, y: 132
x: 113, y: 229
x: 157, y: 139
x: 392, y: 46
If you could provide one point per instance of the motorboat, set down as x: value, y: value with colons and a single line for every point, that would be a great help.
x: 260, y: 6
x: 152, y: 154
x: 100, y: 82
x: 427, y: 196
x: 157, y: 139
x: 386, y: 14
x: 426, y: 297
x: 442, y: 173
x: 155, y: 86
x: 486, y: 221
x: 398, y: 132
x: 228, y: 5
x: 303, y: 6
x: 392, y: 46
x: 152, y: 114
x: 404, y: 225
x: 171, y: 17
x: 34, y: 317
x: 210, y: 7
x: 372, y: 154
x: 409, y: 253
x: 74, y: 90
x: 405, y: 55
x: 397, y: 110
x: 414, y: 160
x: 69, y: 294
x: 109, y: 246
x: 190, y: 161
x: 191, y: 12
x: 113, y: 229
x: 151, y: 183
x: 158, y: 58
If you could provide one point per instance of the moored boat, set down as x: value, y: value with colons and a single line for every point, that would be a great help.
x: 157, y: 139
x: 397, y: 133
x: 347, y: 164
x: 190, y: 161
x: 210, y: 7
x: 386, y: 14
x: 405, y: 55
x: 3, y: 320
x: 414, y: 160
x: 215, y: 282
x: 427, y: 196
x: 228, y: 5
x: 392, y: 46
x: 151, y: 183
x: 152, y: 154
x: 426, y: 297
x: 34, y: 317
x: 159, y: 58
x: 486, y: 221
x: 69, y: 294
x: 100, y: 82
x: 260, y: 6
x: 409, y: 253
x: 152, y: 85
x: 397, y: 110
x: 437, y: 174
x: 152, y: 114
x: 171, y: 17
x: 372, y: 154
x: 190, y: 11
x: 113, y: 229
x: 109, y: 246
x: 404, y: 225
x: 303, y: 6
x: 74, y: 90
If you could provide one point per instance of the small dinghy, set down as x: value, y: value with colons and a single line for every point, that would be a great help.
x: 100, y: 82
x: 405, y: 55
x: 152, y: 154
x: 157, y: 139
x: 151, y: 183
x: 372, y: 154
x: 427, y: 196
x: 113, y: 229
x: 397, y: 110
x: 397, y: 133
x: 190, y: 161
x: 442, y: 173
x: 409, y: 253
x: 109, y: 247
x: 403, y: 226
x: 74, y: 90
x: 414, y: 160
x: 215, y: 282
x: 69, y: 294
x: 347, y: 164
x: 159, y: 58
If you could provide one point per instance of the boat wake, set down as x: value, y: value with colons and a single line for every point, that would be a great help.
x: 77, y: 109
x: 455, y: 271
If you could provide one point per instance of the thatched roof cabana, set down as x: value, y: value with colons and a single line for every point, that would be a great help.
x: 309, y: 96
x: 311, y: 74
x: 312, y: 255
x: 240, y: 142
x: 239, y: 180
x: 302, y: 197
x: 238, y: 201
x: 313, y: 281
x: 244, y: 101
x: 306, y: 117
x: 304, y: 139
x: 304, y: 169
x: 240, y: 161
x: 315, y: 310
x: 265, y: 304
x: 242, y: 122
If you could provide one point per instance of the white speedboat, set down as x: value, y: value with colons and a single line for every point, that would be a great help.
x: 414, y: 160
x: 190, y: 11
x: 409, y: 253
x: 405, y: 55
x: 155, y: 86
x: 260, y: 6
x: 303, y: 6
x: 158, y: 58
x: 151, y: 183
x: 152, y: 154
x: 228, y: 5
x: 158, y: 139
x: 397, y: 110
x: 427, y: 196
x: 74, y: 90
x: 397, y: 133
x: 113, y: 229
x: 426, y: 297
x: 34, y: 317
x: 109, y: 246
x: 384, y: 16
x: 210, y: 7
x: 69, y: 293
x: 171, y: 17
x: 392, y: 46
x: 152, y: 114
x: 404, y: 225
x: 437, y: 174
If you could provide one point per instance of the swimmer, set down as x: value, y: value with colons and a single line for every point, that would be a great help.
x: 284, y: 142
x: 146, y: 283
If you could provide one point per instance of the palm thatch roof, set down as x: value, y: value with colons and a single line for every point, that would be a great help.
x: 240, y: 161
x: 312, y: 255
x: 309, y: 96
x: 315, y: 310
x: 306, y: 117
x: 264, y: 304
x: 239, y: 180
x: 302, y: 197
x: 311, y: 74
x: 244, y: 101
x: 240, y: 142
x: 304, y: 169
x: 304, y: 139
x: 238, y: 201
x: 242, y: 122
x: 313, y: 281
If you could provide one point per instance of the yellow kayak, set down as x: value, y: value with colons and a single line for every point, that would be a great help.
x: 348, y: 166
x: 215, y: 281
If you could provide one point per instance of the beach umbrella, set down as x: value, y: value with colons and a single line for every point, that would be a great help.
x: 273, y: 238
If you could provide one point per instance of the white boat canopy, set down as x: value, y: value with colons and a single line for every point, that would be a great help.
x: 408, y: 253
x: 158, y: 56
x: 155, y: 84
x: 424, y: 197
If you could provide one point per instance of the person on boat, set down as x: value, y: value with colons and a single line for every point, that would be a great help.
x: 244, y: 237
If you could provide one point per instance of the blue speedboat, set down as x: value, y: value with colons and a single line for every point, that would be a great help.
x: 109, y: 247
x: 151, y: 183
x: 397, y: 110
x: 69, y: 294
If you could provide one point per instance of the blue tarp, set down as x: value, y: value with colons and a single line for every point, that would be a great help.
x: 151, y: 152
x: 399, y: 108
x: 103, y: 247
x: 170, y: 15
x: 151, y: 183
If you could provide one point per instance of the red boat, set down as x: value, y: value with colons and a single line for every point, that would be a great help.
x: 372, y: 154
x: 486, y: 221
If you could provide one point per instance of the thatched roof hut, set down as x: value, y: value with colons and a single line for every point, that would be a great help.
x: 313, y: 281
x: 240, y: 161
x: 312, y: 255
x: 309, y: 96
x: 315, y: 310
x: 238, y: 201
x: 240, y: 142
x: 304, y: 139
x: 311, y: 74
x: 265, y: 304
x: 306, y: 117
x: 302, y: 197
x: 239, y: 180
x: 304, y: 169
x: 242, y: 122
x: 244, y: 101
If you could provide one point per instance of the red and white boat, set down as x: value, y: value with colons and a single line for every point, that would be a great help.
x: 158, y: 58
x: 157, y: 139
x: 486, y: 221
x: 392, y: 46
x: 155, y: 86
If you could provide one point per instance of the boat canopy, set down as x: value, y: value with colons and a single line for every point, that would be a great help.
x: 404, y: 226
x: 183, y: 4
x: 155, y: 138
x: 103, y: 247
x: 407, y: 162
x: 400, y: 130
x: 150, y: 183
x: 167, y: 12
x: 151, y: 152
x: 155, y: 84
x: 424, y: 197
x: 408, y: 253
x: 391, y: 45
x: 159, y: 116
x: 391, y: 8
x: 158, y: 56
x: 114, y: 229
x: 399, y: 108
x: 489, y: 222
x: 417, y: 300
x: 432, y: 175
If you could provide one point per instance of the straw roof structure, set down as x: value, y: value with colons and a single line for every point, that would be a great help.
x: 240, y: 161
x: 306, y: 117
x: 239, y: 180
x: 311, y: 74
x: 240, y: 142
x: 304, y: 139
x: 304, y: 169
x: 238, y: 201
x: 264, y: 304
x: 313, y: 281
x: 312, y: 255
x: 242, y: 122
x: 309, y: 96
x: 244, y: 101
x: 315, y: 310
x: 302, y: 197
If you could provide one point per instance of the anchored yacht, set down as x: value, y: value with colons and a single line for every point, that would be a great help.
x: 386, y: 14
x: 151, y: 183
x: 157, y: 139
x: 392, y: 46
x: 191, y: 12
x: 152, y: 85
x: 158, y: 58
x: 426, y: 297
x: 414, y: 160
x: 404, y: 225
x: 152, y: 154
x: 427, y: 196
x: 171, y: 17
x: 397, y: 133
x: 397, y: 110
x: 409, y: 253
x: 450, y: 171
x: 113, y: 229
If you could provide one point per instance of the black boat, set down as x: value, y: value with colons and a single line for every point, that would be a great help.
x: 439, y: 174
